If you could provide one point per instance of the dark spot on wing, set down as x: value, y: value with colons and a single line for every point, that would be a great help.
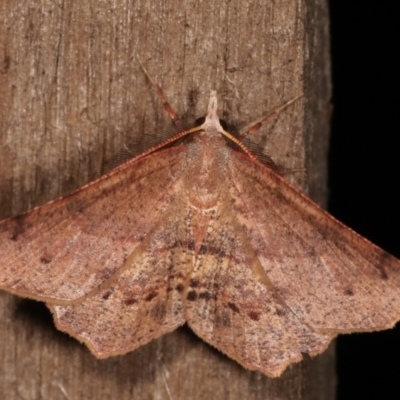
x: 45, y: 259
x: 203, y: 249
x: 279, y: 312
x: 129, y: 301
x: 207, y: 295
x: 233, y: 307
x: 174, y: 245
x: 192, y: 296
x: 194, y: 283
x: 254, y: 315
x: 179, y: 287
x: 106, y: 295
x: 151, y: 295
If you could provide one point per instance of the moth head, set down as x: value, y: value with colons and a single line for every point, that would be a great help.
x: 214, y: 124
x: 211, y: 120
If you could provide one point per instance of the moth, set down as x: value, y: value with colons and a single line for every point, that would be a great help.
x: 201, y: 232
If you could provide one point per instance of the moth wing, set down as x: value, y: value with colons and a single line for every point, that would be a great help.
x: 66, y: 248
x: 143, y: 300
x: 328, y: 275
x: 231, y: 303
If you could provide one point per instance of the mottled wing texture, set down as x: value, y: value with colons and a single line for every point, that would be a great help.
x: 232, y: 304
x: 67, y: 248
x: 331, y: 279
x: 144, y: 300
x: 253, y: 266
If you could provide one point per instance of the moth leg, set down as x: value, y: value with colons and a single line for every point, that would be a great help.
x: 167, y: 107
x: 255, y: 126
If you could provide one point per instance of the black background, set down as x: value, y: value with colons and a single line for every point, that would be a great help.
x: 364, y: 164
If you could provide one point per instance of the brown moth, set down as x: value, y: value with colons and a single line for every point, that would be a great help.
x: 204, y: 234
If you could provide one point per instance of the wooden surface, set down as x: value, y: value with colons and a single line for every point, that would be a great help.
x: 72, y: 93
